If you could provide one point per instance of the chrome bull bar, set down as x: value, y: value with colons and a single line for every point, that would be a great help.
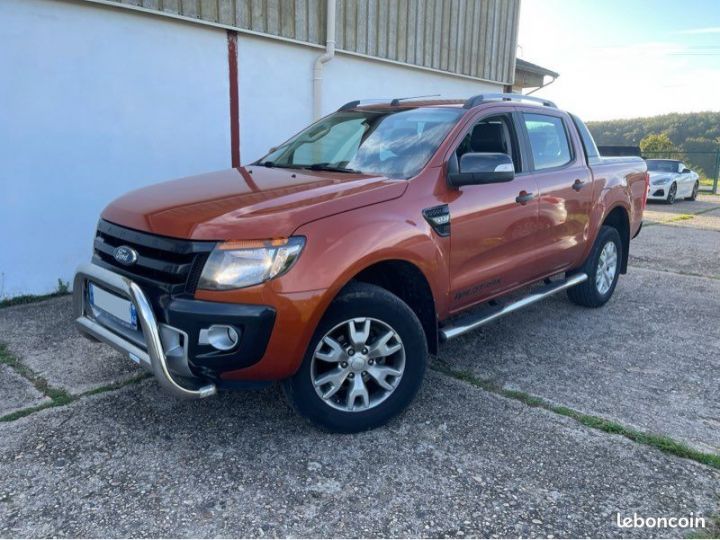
x: 154, y: 358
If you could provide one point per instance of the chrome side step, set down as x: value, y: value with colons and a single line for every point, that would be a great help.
x: 468, y: 323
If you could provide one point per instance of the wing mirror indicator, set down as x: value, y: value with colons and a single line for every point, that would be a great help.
x: 482, y: 168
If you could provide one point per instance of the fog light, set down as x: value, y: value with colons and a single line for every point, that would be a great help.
x: 219, y: 336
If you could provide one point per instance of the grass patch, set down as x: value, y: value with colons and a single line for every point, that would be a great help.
x: 55, y: 394
x: 681, y: 217
x: 26, y: 412
x: 63, y: 289
x: 661, y: 442
x: 58, y: 397
x: 706, y: 181
x: 116, y: 386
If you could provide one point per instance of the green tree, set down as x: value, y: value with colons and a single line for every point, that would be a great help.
x: 679, y: 126
x: 702, y: 154
x: 657, y: 145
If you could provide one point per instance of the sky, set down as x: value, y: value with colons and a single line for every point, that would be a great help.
x: 625, y: 58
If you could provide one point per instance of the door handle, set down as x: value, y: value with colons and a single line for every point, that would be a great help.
x: 524, y: 197
x: 578, y: 185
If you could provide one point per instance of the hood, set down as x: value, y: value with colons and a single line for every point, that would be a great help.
x: 247, y: 203
x: 657, y: 176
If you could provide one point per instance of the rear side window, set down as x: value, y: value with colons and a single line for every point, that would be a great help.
x: 588, y: 142
x: 548, y: 141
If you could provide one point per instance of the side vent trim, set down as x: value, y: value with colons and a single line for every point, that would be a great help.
x: 439, y: 219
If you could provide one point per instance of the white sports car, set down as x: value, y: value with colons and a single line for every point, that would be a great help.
x: 670, y: 180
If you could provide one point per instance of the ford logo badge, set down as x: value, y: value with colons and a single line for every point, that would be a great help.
x: 125, y: 255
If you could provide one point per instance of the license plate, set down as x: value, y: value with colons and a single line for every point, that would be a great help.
x: 121, y: 309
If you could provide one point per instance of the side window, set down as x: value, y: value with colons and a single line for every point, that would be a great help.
x: 591, y: 150
x: 495, y: 135
x: 548, y: 141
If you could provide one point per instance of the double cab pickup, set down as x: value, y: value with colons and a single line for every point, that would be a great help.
x: 340, y: 260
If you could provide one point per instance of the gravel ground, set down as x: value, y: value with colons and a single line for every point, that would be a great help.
x: 460, y: 462
x: 44, y: 337
x: 648, y: 359
x: 16, y: 392
x: 676, y: 248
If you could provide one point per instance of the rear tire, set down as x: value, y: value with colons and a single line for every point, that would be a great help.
x: 694, y: 193
x: 602, y: 268
x: 364, y: 364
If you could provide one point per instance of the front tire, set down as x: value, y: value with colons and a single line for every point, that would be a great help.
x: 602, y: 268
x: 672, y: 193
x: 364, y: 364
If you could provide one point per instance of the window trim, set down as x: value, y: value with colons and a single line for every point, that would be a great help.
x: 530, y: 158
x: 515, y: 135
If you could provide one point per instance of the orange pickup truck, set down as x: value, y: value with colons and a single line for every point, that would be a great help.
x: 341, y: 259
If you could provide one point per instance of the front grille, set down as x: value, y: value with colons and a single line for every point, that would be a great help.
x: 169, y: 263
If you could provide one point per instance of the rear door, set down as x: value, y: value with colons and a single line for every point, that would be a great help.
x: 493, y: 225
x: 565, y: 186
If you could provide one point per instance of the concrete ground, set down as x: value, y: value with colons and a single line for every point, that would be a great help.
x: 115, y: 457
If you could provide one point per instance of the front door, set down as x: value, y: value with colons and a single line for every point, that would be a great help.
x: 685, y: 182
x: 494, y: 226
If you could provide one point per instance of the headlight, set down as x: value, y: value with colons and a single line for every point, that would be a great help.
x: 233, y: 265
x: 661, y: 181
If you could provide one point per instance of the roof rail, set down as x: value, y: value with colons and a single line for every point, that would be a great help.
x: 352, y: 104
x: 394, y: 102
x: 483, y: 98
x: 397, y: 100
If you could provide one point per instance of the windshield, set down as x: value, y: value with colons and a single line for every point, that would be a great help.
x: 662, y: 165
x: 392, y: 143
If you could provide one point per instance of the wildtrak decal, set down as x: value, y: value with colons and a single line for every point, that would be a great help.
x: 476, y: 289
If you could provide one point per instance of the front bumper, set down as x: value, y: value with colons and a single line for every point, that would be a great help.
x: 658, y: 192
x: 167, y: 339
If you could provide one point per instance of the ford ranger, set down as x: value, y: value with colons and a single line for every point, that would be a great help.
x: 342, y: 258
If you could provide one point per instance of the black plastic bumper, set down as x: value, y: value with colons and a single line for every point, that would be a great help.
x: 254, y: 323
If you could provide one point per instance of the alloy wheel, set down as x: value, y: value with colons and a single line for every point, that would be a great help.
x: 672, y: 193
x: 358, y: 364
x: 606, y: 267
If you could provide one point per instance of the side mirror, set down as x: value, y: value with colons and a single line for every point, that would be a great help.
x: 482, y: 168
x: 684, y: 171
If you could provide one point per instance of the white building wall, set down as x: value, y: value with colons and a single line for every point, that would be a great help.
x: 97, y: 101
x: 94, y: 102
x: 275, y: 81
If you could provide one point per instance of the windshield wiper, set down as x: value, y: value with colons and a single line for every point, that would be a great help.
x: 330, y: 167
